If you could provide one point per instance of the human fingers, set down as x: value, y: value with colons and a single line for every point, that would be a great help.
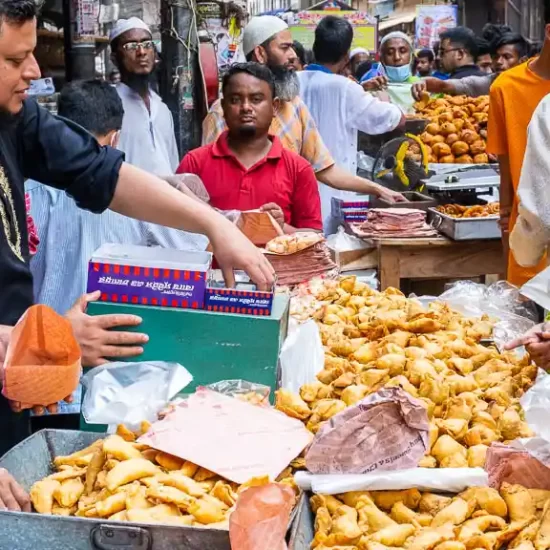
x: 69, y: 398
x: 38, y: 410
x: 53, y: 408
x: 84, y: 300
x: 15, y: 406
x: 8, y: 500
x: 270, y: 206
x: 117, y: 320
x: 119, y: 338
x: 229, y: 276
x: 518, y: 342
x: 119, y: 352
x: 21, y: 496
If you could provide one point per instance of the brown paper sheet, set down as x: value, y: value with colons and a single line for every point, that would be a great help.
x: 42, y: 363
x: 388, y: 430
x: 261, y: 518
x: 259, y: 227
x: 505, y: 464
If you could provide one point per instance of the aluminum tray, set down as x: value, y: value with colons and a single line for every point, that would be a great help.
x: 465, y: 229
x: 471, y: 177
x: 31, y: 460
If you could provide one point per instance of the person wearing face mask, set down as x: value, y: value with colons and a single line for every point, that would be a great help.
x: 69, y: 236
x: 395, y: 70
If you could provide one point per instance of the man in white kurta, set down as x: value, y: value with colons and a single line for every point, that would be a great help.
x: 147, y: 136
x: 339, y: 106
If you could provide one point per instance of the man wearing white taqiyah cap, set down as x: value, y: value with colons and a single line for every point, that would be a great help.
x: 147, y: 136
x: 356, y: 57
x: 267, y: 40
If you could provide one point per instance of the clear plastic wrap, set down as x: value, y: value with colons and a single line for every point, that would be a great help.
x: 127, y: 393
x: 501, y: 301
x: 257, y: 394
x: 343, y: 242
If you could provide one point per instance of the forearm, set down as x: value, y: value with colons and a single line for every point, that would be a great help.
x: 437, y: 86
x: 160, y: 203
x: 341, y: 179
x: 506, y: 191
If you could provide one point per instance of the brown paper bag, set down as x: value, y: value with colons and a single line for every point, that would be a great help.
x: 42, y: 363
x: 261, y: 518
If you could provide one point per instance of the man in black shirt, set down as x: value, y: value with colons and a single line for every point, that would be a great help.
x: 458, y: 51
x: 34, y: 144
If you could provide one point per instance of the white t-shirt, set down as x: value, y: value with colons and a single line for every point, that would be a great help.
x: 340, y: 107
x: 147, y: 138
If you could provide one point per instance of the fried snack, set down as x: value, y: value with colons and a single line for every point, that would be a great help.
x: 185, y: 484
x: 169, y: 462
x: 125, y: 433
x: 292, y: 405
x: 94, y: 468
x: 111, y: 505
x: 128, y: 471
x: 189, y: 469
x: 521, y: 506
x: 68, y: 493
x: 170, y: 495
x: 119, y: 449
x: 42, y: 495
x: 387, y: 499
x: 80, y: 458
x: 207, y: 511
x: 370, y: 514
x: 455, y: 513
x: 479, y: 211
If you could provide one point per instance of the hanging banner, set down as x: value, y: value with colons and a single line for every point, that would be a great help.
x: 365, y: 32
x: 431, y: 21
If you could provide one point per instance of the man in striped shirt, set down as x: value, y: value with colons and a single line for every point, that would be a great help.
x: 69, y: 235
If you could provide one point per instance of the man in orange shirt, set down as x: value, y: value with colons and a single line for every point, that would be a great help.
x: 514, y: 97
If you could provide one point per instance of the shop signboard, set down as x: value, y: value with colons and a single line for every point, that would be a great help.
x: 365, y: 32
x: 431, y: 21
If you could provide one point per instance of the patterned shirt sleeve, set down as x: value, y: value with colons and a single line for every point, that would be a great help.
x: 214, y: 124
x: 313, y: 148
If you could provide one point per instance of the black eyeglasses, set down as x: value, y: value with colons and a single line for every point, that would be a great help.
x: 134, y: 46
x: 442, y: 52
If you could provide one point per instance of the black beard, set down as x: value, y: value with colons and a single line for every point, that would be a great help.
x: 246, y: 132
x: 138, y: 82
x: 287, y: 86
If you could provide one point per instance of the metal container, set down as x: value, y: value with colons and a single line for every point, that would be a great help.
x: 465, y: 229
x: 416, y: 200
x: 31, y: 461
x: 303, y: 532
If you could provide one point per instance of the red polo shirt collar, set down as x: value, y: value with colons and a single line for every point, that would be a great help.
x: 221, y: 149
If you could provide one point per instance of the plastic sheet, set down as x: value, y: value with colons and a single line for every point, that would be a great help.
x: 451, y: 480
x: 261, y: 518
x: 190, y: 185
x: 302, y: 357
x: 257, y: 394
x: 500, y: 301
x: 127, y: 393
x: 343, y: 242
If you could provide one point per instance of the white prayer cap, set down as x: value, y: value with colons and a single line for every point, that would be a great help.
x: 124, y: 25
x: 397, y: 34
x: 260, y: 29
x: 357, y: 51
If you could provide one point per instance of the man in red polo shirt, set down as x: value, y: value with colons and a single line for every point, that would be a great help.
x: 248, y: 169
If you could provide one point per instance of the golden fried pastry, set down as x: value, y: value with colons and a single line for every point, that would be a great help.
x: 42, y: 495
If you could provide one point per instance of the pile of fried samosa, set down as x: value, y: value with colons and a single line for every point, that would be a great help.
x: 119, y: 479
x: 479, y: 518
x: 374, y: 340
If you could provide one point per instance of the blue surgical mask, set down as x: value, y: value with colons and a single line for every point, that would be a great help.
x: 398, y: 74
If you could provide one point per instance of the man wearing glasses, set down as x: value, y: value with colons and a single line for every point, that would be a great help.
x: 147, y: 135
x: 458, y: 51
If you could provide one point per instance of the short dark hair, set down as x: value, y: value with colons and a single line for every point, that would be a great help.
x: 17, y: 11
x: 492, y: 32
x: 483, y: 47
x: 93, y: 104
x: 333, y: 38
x: 515, y: 39
x: 461, y: 37
x: 535, y: 48
x: 426, y: 53
x: 257, y: 70
x: 300, y: 51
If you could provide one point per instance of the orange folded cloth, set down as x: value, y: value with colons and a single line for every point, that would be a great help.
x: 42, y: 363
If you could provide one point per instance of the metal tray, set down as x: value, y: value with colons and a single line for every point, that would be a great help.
x: 416, y: 200
x: 31, y: 460
x: 471, y: 177
x: 465, y: 229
